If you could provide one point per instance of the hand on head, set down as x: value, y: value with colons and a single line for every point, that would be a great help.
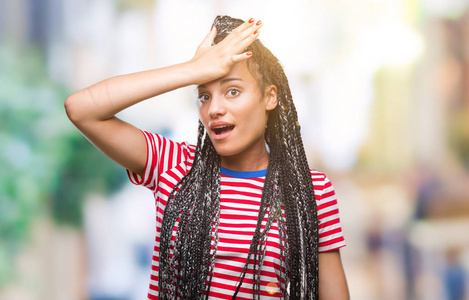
x: 215, y: 61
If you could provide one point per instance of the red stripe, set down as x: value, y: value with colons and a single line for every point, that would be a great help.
x: 150, y: 147
x: 239, y: 225
x: 154, y: 277
x: 244, y: 250
x: 327, y: 204
x: 248, y: 233
x: 245, y: 242
x: 330, y: 232
x: 246, y: 290
x: 333, y: 248
x: 175, y: 177
x: 154, y: 287
x: 171, y: 154
x: 181, y: 170
x: 329, y: 223
x: 256, y: 179
x: 182, y: 153
x: 328, y: 194
x: 328, y: 214
x: 331, y: 242
x: 152, y: 157
x: 167, y: 182
x: 239, y: 201
x: 161, y: 211
x: 162, y: 144
x: 246, y: 280
x: 231, y: 259
x: 242, y: 184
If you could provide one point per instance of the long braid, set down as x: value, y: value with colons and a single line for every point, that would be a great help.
x: 307, y: 209
x: 194, y: 204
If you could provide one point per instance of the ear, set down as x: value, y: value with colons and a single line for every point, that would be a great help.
x: 270, y: 97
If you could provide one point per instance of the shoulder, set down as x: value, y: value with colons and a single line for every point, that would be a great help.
x: 166, y: 145
x: 163, y: 155
x: 320, y: 180
x: 317, y: 176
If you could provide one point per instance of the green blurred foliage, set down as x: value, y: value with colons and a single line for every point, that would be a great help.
x: 86, y: 170
x: 46, y: 166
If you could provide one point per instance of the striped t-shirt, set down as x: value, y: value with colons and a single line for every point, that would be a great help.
x: 168, y: 161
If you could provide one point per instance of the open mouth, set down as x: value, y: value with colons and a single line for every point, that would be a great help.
x: 223, y: 129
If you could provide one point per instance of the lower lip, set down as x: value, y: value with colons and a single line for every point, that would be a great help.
x: 222, y: 136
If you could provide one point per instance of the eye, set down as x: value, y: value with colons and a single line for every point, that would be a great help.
x: 233, y: 93
x: 204, y: 97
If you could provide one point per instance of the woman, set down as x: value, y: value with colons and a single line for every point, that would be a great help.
x: 235, y: 218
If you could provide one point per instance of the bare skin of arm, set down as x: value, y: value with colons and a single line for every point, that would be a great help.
x: 93, y: 109
x: 332, y: 282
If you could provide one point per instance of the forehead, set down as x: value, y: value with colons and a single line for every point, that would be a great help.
x: 239, y: 71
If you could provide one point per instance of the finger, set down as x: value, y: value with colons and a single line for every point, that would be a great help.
x: 246, y: 37
x: 247, y: 24
x: 242, y: 56
x: 243, y: 30
x: 246, y: 42
x: 252, y: 29
x: 208, y: 40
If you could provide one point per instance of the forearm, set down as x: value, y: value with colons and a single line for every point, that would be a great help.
x: 104, y: 99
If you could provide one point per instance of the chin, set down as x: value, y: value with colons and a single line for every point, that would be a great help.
x: 225, y: 150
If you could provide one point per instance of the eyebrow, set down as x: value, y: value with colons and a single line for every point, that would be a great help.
x: 223, y: 81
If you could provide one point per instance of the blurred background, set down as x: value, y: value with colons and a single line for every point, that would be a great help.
x: 382, y: 90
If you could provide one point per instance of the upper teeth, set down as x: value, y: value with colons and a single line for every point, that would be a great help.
x: 220, y: 127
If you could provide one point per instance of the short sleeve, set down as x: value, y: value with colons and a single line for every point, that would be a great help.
x: 150, y: 173
x: 162, y: 155
x: 330, y: 231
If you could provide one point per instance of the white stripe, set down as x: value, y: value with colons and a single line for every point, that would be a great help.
x: 329, y: 228
x: 150, y: 159
x: 241, y: 197
x: 328, y: 209
x: 329, y: 218
x: 152, y: 292
x: 330, y: 247
x: 330, y: 237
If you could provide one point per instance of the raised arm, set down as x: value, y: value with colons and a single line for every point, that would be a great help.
x: 93, y: 109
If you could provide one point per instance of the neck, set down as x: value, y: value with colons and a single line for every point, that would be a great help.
x: 252, y: 161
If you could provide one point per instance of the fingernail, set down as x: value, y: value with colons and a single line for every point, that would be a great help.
x: 251, y: 20
x: 211, y: 28
x: 256, y: 32
x: 259, y: 23
x: 249, y: 53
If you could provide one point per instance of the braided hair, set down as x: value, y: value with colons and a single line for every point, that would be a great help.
x: 186, y: 261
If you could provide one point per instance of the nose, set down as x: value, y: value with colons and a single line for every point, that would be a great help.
x: 217, y: 107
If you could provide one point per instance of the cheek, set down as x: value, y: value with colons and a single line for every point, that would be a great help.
x: 203, y: 113
x: 255, y: 120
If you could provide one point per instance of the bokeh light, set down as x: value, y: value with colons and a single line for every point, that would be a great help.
x: 381, y: 92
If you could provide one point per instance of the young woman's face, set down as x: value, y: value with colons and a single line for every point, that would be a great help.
x: 234, y: 111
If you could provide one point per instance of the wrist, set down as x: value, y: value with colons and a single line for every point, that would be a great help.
x: 192, y: 73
